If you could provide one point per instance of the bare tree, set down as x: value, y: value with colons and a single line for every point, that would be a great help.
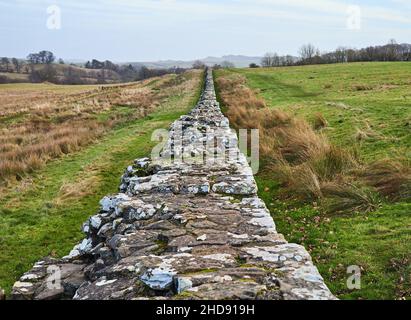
x: 289, y: 60
x: 308, y: 52
x: 46, y: 73
x: 16, y: 63
x: 266, y: 61
x: 392, y: 51
x: 341, y: 55
x: 5, y: 62
x: 270, y: 60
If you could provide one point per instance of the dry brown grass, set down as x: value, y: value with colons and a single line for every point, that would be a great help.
x: 37, y: 125
x: 367, y: 133
x: 391, y: 177
x: 348, y: 197
x: 320, y: 122
x: 305, y: 162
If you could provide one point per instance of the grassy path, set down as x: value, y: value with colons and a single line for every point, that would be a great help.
x: 43, y: 216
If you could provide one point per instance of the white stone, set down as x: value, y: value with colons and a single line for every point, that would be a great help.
x: 223, y: 257
x: 96, y: 222
x: 19, y: 285
x: 105, y: 282
x: 202, y: 238
x: 29, y: 277
x: 86, y: 246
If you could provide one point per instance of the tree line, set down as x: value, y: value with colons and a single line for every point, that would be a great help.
x: 41, y: 67
x: 130, y: 72
x: 309, y: 54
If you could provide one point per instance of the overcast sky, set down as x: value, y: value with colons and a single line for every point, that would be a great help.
x: 147, y: 30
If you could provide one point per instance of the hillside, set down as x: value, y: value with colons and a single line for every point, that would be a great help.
x: 85, y: 76
x: 336, y: 165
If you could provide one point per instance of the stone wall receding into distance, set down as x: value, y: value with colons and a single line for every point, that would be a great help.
x: 182, y: 230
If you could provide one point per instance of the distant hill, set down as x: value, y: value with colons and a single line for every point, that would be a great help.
x: 239, y: 61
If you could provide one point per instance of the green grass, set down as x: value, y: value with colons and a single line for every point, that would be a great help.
x: 47, y: 87
x: 37, y: 218
x: 378, y: 242
x: 385, y: 105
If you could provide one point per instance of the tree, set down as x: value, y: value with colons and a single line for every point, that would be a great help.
x: 198, y: 64
x: 128, y: 73
x: 46, y: 57
x: 341, y: 55
x: 26, y: 68
x: 392, y: 51
x: 95, y: 64
x: 16, y: 63
x: 110, y: 66
x: 270, y: 60
x: 267, y: 60
x: 61, y: 61
x: 43, y: 57
x: 33, y: 58
x: 49, y: 58
x: 307, y: 53
x: 5, y: 62
x: 46, y: 73
x: 144, y: 73
x: 289, y: 60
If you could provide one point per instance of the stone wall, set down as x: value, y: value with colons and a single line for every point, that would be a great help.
x: 186, y: 225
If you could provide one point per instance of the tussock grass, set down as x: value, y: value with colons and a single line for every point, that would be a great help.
x: 343, y: 198
x: 367, y: 133
x: 319, y: 122
x: 391, y: 177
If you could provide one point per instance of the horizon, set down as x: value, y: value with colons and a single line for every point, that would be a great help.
x: 126, y: 31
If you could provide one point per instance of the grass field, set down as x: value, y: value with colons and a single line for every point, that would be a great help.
x: 43, y: 122
x: 351, y: 97
x: 42, y: 214
x: 362, y: 109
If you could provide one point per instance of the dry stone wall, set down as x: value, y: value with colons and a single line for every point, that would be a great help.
x: 186, y: 225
